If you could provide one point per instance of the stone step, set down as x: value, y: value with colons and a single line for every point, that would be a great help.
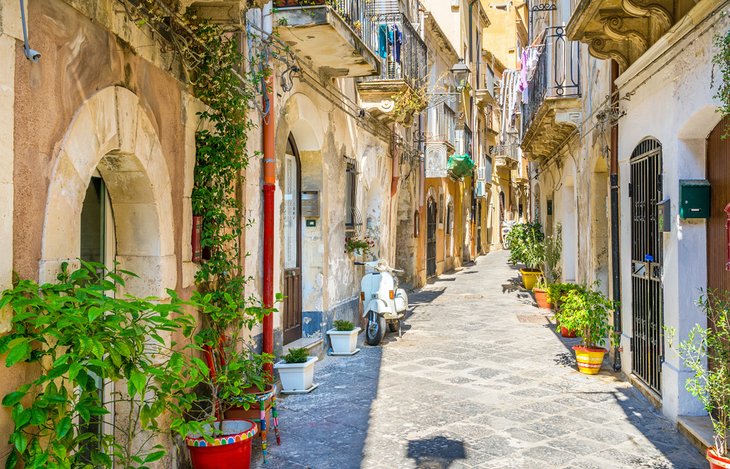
x: 698, y: 431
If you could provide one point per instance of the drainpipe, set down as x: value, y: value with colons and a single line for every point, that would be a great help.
x: 268, y: 126
x: 615, y: 245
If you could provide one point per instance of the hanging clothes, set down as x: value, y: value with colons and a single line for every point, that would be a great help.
x: 383, y: 40
x: 398, y: 42
x: 523, y: 69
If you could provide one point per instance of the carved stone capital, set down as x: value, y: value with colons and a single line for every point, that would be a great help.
x: 621, y: 27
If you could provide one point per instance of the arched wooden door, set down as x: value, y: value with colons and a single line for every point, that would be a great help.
x: 431, y: 239
x: 718, y: 226
x: 292, y: 244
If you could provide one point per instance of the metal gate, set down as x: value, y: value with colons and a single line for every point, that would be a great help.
x: 431, y: 239
x: 646, y: 264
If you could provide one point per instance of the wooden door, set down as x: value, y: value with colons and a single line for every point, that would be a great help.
x: 431, y: 239
x: 718, y: 173
x: 292, y: 246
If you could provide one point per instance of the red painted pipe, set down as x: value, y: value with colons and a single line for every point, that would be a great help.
x: 269, y: 187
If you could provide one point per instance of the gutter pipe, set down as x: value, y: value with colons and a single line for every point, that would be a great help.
x: 615, y: 244
x: 269, y: 186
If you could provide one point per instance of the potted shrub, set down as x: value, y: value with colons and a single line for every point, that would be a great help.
x: 359, y: 246
x: 587, y: 311
x: 533, y: 256
x: 296, y: 371
x: 77, y: 332
x: 540, y: 290
x: 343, y: 338
x: 706, y: 352
x: 247, y: 371
x: 555, y: 293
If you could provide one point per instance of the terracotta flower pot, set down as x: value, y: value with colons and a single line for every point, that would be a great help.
x: 541, y: 298
x: 589, y: 359
x: 566, y: 333
x: 717, y: 462
x: 253, y: 413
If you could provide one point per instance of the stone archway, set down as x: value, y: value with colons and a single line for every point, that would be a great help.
x: 111, y: 132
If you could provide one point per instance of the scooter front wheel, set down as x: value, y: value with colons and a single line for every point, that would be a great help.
x: 376, y: 328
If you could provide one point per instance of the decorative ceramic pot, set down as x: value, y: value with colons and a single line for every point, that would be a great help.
x: 232, y: 450
x: 589, y: 359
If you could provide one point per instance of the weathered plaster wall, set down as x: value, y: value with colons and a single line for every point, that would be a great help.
x: 674, y: 103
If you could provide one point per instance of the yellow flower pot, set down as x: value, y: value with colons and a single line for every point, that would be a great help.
x: 529, y: 278
x: 589, y: 359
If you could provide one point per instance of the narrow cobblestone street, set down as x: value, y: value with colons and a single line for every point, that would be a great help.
x: 477, y: 380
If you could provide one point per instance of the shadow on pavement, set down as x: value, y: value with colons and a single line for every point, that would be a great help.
x: 436, y: 453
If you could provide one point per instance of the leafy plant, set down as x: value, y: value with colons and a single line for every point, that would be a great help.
x: 518, y: 239
x: 553, y: 251
x: 345, y: 326
x: 297, y: 355
x: 586, y: 311
x: 366, y: 244
x: 80, y: 337
x: 409, y: 102
x: 556, y: 291
x: 706, y: 352
x: 533, y: 250
x: 722, y: 60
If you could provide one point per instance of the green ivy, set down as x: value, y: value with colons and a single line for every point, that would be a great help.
x: 78, y: 332
x: 722, y: 60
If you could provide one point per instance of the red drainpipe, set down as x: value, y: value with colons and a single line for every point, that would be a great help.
x: 269, y: 187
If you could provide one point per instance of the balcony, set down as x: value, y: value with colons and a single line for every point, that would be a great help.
x: 553, y: 109
x: 403, y: 66
x: 441, y: 138
x: 505, y: 155
x: 623, y: 30
x: 332, y: 35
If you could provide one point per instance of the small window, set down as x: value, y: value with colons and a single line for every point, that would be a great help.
x: 350, y: 195
x: 441, y: 209
x: 416, y: 224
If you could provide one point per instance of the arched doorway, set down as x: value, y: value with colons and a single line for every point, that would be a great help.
x: 646, y: 263
x: 292, y: 320
x: 431, y: 238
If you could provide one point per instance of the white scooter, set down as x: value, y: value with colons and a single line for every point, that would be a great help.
x: 383, y: 301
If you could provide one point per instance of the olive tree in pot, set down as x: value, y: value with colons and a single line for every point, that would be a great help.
x: 706, y: 352
x: 533, y: 256
x: 550, y: 270
x: 586, y: 311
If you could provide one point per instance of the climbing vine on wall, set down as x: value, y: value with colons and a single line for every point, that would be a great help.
x: 722, y: 60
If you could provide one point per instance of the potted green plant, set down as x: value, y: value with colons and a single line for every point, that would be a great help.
x: 550, y: 270
x: 296, y: 371
x: 540, y: 290
x: 587, y: 312
x: 343, y: 338
x: 92, y: 348
x: 555, y: 293
x: 533, y: 256
x: 706, y: 352
x: 359, y: 246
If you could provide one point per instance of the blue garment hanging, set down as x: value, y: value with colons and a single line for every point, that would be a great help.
x: 398, y: 43
x: 383, y: 41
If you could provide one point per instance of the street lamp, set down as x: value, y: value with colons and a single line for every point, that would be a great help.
x: 460, y: 72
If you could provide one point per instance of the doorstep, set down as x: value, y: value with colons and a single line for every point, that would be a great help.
x: 698, y: 431
x: 312, y: 344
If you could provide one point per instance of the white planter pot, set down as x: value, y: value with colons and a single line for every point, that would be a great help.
x: 296, y: 377
x: 343, y: 342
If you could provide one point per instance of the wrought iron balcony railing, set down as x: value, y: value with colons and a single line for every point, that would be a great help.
x: 353, y: 12
x: 401, y: 50
x: 509, y: 150
x: 556, y: 75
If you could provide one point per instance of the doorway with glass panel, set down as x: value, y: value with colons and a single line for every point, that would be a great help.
x: 292, y: 244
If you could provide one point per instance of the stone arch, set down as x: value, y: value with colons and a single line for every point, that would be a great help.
x: 112, y: 132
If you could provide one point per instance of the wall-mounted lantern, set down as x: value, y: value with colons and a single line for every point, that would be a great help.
x: 460, y: 71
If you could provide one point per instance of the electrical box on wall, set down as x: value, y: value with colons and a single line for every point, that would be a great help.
x: 694, y: 198
x: 664, y: 216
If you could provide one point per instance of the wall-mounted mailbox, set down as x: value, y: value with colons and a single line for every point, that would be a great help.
x: 664, y: 216
x: 694, y: 198
x: 310, y: 204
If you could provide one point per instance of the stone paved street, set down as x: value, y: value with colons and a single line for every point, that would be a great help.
x: 478, y: 380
